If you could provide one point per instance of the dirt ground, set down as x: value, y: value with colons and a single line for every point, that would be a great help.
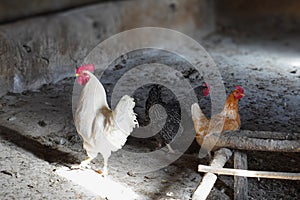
x: 38, y: 137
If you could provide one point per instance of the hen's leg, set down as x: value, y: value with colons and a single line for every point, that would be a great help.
x: 204, y: 154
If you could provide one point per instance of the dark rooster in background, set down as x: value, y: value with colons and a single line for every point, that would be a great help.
x: 163, y: 96
x: 103, y: 130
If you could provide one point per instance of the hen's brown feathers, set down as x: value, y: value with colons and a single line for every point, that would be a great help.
x: 229, y: 115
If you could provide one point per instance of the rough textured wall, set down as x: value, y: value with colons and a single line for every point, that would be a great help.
x: 259, y: 15
x: 16, y: 9
x: 46, y: 49
x: 193, y: 17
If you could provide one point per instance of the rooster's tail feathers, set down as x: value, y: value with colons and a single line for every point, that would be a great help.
x: 124, y: 121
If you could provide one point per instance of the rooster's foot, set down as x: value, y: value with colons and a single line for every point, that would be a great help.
x: 83, y: 165
x: 170, y: 149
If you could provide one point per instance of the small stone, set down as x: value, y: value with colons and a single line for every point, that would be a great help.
x: 124, y: 58
x: 148, y: 177
x: 11, y: 118
x: 62, y: 141
x: 30, y: 186
x: 17, y: 174
x: 193, y: 179
x: 170, y: 194
x: 164, y: 181
x: 118, y: 67
x: 27, y: 48
x: 130, y: 173
x: 42, y: 123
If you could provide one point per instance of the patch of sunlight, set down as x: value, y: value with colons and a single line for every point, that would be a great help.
x: 295, y: 62
x: 97, y: 184
x: 291, y: 60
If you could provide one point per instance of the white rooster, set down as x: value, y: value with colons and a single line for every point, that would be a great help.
x: 103, y: 130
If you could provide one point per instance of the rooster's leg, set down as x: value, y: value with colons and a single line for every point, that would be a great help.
x: 105, y: 172
x: 170, y: 148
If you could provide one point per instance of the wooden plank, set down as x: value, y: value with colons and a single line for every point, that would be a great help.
x: 240, y: 183
x: 249, y: 173
x: 209, y: 179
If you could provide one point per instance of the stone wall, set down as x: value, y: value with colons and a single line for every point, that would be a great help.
x: 46, y: 49
x: 259, y: 16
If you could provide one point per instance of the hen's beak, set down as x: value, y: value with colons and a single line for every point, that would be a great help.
x: 76, y: 75
x: 243, y: 95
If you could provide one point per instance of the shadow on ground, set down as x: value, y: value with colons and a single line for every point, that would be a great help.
x: 43, y: 152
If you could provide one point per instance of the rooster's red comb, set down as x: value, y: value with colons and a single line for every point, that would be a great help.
x: 206, y: 89
x: 87, y: 67
x: 240, y: 89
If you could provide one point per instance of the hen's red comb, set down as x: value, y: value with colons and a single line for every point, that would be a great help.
x: 240, y: 89
x: 87, y: 67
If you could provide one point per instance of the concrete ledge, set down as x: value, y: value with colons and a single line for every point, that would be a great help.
x: 13, y: 9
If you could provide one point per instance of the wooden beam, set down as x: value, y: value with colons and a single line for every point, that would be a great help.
x: 265, y: 135
x: 249, y: 173
x: 209, y: 179
x: 240, y: 183
x: 240, y: 140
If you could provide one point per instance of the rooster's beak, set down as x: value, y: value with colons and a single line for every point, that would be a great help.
x: 76, y: 75
x: 243, y: 95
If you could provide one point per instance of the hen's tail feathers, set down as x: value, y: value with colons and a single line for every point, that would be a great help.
x: 196, y: 111
x: 197, y: 116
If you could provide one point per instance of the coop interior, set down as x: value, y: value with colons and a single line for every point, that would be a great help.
x: 250, y: 43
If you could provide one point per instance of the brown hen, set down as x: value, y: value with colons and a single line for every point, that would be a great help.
x: 229, y: 115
